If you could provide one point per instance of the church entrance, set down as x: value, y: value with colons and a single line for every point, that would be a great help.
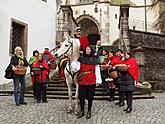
x: 90, y: 29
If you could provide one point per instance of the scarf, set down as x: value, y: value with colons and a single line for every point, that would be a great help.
x: 32, y: 59
x: 88, y: 60
x: 20, y: 59
x: 103, y: 58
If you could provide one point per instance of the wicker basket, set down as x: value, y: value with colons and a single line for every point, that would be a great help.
x: 121, y: 67
x: 36, y: 71
x: 113, y: 74
x: 21, y: 70
x: 104, y: 67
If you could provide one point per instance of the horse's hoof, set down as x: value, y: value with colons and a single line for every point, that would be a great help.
x: 69, y: 110
x: 76, y: 113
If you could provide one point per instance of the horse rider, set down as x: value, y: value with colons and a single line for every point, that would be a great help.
x: 83, y: 39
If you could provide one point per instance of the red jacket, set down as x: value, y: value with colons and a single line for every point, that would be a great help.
x: 49, y: 54
x: 41, y: 76
x: 87, y: 74
x: 132, y: 67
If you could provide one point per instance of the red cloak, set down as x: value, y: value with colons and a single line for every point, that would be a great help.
x: 132, y: 68
x: 84, y: 42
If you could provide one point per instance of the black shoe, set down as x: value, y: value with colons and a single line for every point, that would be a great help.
x: 17, y: 104
x: 121, y: 104
x: 38, y: 101
x: 23, y: 103
x: 125, y: 109
x: 88, y: 116
x: 110, y: 99
x: 129, y: 110
x: 45, y: 101
x: 117, y: 103
x: 80, y: 115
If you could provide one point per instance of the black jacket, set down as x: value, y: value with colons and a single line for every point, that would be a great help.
x: 15, y: 61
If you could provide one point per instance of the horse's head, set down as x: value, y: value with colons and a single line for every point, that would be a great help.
x: 67, y: 47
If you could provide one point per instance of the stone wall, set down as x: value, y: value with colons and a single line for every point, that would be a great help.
x: 154, y: 56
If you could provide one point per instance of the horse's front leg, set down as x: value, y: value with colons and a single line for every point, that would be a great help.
x: 69, y: 85
x: 77, y: 106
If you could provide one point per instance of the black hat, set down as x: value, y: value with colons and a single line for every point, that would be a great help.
x: 119, y: 50
x: 35, y: 51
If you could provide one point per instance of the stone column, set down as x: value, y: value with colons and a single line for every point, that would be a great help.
x: 124, y: 43
x: 65, y: 10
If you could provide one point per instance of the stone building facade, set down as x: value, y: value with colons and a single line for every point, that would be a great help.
x: 99, y: 19
x: 152, y: 67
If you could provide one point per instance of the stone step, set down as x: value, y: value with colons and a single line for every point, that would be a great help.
x: 95, y: 97
x: 66, y: 89
x: 97, y: 93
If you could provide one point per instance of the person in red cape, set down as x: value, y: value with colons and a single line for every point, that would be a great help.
x: 127, y: 80
x: 131, y: 63
x: 39, y: 73
x: 115, y: 60
x: 46, y: 55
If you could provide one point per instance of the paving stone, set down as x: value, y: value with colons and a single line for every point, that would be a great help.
x: 146, y: 111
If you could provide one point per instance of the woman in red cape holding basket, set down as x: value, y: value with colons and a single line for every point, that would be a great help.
x: 127, y: 80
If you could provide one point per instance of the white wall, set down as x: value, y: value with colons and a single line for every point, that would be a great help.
x: 41, y: 19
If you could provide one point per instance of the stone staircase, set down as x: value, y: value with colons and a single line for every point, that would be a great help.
x: 57, y: 89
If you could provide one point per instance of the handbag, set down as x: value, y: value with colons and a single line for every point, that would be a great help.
x: 9, y: 72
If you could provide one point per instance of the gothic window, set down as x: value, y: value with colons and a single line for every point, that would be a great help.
x: 18, y: 36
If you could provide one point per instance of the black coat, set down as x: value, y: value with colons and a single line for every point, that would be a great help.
x: 126, y: 81
x: 15, y: 61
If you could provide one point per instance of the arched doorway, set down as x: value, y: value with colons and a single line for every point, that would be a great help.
x: 90, y: 29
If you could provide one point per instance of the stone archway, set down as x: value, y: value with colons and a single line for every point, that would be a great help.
x: 90, y: 28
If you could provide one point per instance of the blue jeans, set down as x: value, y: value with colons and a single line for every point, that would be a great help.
x: 19, y: 79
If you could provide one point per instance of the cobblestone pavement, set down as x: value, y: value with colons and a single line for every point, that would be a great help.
x: 148, y: 111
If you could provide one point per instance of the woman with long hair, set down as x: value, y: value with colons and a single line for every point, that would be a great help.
x: 19, y: 60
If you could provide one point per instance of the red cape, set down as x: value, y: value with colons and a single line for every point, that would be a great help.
x: 84, y: 42
x: 132, y: 68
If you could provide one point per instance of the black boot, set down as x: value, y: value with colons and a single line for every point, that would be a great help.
x: 121, y: 104
x: 117, y: 103
x: 88, y: 116
x: 129, y: 110
x: 81, y: 114
x: 125, y: 109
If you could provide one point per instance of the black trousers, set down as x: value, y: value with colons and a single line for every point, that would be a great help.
x: 86, y: 92
x: 118, y: 87
x: 34, y: 90
x: 128, y: 96
x: 41, y: 92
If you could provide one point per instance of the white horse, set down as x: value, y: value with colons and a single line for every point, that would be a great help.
x: 70, y: 47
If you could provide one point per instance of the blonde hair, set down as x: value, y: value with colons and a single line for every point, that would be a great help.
x: 17, y: 48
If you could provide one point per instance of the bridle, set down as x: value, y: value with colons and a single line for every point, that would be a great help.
x: 69, y: 70
x: 71, y: 46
